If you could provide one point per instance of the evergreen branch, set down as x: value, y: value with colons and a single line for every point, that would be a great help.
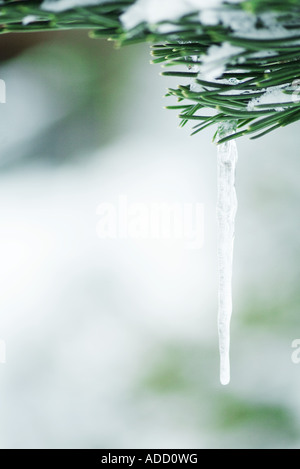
x: 249, y: 75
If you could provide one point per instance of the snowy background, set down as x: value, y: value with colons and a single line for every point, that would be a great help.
x: 114, y: 343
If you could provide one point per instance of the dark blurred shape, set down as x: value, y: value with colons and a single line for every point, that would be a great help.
x: 72, y: 83
x: 12, y: 45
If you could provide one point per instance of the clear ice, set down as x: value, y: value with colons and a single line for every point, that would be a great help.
x: 226, y: 213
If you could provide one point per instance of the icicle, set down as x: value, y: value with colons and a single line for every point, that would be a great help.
x: 226, y: 212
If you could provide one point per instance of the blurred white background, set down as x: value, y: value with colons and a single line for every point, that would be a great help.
x: 113, y: 343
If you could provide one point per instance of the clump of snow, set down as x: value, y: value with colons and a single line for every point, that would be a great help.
x: 29, y: 19
x: 61, y: 5
x: 155, y: 11
x: 272, y: 28
x: 274, y: 95
x: 214, y: 62
x: 244, y: 23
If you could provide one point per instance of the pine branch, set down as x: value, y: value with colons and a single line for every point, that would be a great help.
x: 232, y: 72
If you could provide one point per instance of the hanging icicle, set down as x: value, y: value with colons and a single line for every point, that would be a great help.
x: 226, y: 213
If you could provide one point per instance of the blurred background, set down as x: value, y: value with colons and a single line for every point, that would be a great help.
x: 113, y: 343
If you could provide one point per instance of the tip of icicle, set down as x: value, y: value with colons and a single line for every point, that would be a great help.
x: 225, y: 369
x: 225, y: 381
x: 225, y: 376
